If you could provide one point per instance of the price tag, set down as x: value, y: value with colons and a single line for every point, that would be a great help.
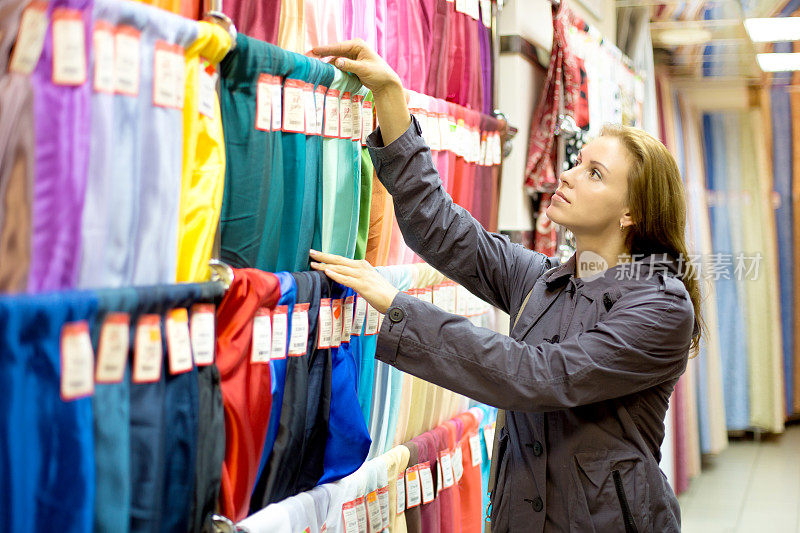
x: 112, y: 353
x: 426, y: 479
x: 294, y: 118
x: 280, y: 326
x: 488, y: 438
x: 361, y: 514
x: 383, y: 500
x: 325, y: 323
x: 69, y: 47
x: 374, y: 512
x: 458, y: 464
x: 462, y: 304
x: 331, y: 129
x: 486, y: 13
x: 498, y: 150
x: 103, y: 45
x: 202, y: 327
x: 413, y: 487
x: 310, y: 109
x: 349, y: 517
x: 357, y: 101
x: 349, y: 303
x: 147, y: 350
x: 207, y: 88
x: 373, y: 317
x: 336, y: 331
x: 77, y: 361
x: 276, y: 87
x: 445, y: 461
x: 438, y: 297
x: 360, y: 316
x: 319, y: 108
x: 444, y: 132
x: 299, y: 338
x: 346, y: 117
x: 261, y: 348
x: 473, y: 9
x: 367, y: 122
x: 461, y: 6
x: 435, y: 133
x: 400, y: 485
x: 30, y: 38
x: 475, y: 449
x: 179, y: 344
x: 127, y: 60
x: 264, y: 102
x: 166, y: 75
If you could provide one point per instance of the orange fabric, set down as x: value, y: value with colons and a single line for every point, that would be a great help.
x: 187, y: 8
x: 469, y: 488
x: 245, y: 386
x: 380, y: 224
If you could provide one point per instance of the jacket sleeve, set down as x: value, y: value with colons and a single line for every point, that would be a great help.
x: 642, y: 342
x: 444, y: 234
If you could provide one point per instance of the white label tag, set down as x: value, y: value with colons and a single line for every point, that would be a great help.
x: 444, y: 132
x: 475, y: 449
x: 280, y: 325
x: 319, y: 108
x: 373, y: 318
x: 103, y: 46
x: 438, y: 297
x: 473, y: 9
x: 462, y: 302
x: 426, y: 479
x: 164, y: 76
x: 264, y: 102
x: 461, y: 6
x: 361, y: 515
x: 346, y: 117
x: 332, y: 114
x: 435, y: 134
x: 498, y: 149
x: 360, y: 317
x: 458, y: 463
x: 127, y: 61
x: 77, y: 361
x: 447, y: 469
x: 367, y: 122
x: 30, y: 38
x: 310, y: 108
x: 486, y: 13
x: 294, y: 118
x: 348, y: 318
x: 488, y: 438
x: 201, y: 327
x: 336, y: 328
x: 112, y: 353
x: 325, y: 323
x: 383, y: 500
x: 374, y: 512
x: 179, y: 344
x: 277, y: 102
x: 413, y: 487
x: 207, y: 89
x: 261, y: 348
x: 299, y: 339
x: 400, y: 486
x: 349, y: 517
x: 147, y: 351
x: 69, y: 47
x: 357, y: 100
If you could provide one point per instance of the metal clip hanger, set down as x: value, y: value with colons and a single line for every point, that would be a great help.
x: 216, y: 16
x: 221, y: 272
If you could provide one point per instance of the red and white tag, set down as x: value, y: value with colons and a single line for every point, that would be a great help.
x: 373, y: 321
x: 361, y: 514
x: 331, y: 128
x: 458, y: 463
x: 264, y: 102
x: 347, y: 330
x: 112, y: 352
x: 374, y: 512
x: 349, y: 517
x: 475, y: 449
x: 445, y: 460
x: 30, y: 38
x: 127, y: 60
x: 104, y: 57
x: 383, y: 502
x: 147, y: 350
x: 338, y: 318
x: 319, y: 108
x: 202, y: 329
x: 280, y: 326
x: 310, y: 109
x: 346, y: 117
x: 367, y: 122
x: 357, y: 101
x: 168, y: 75
x: 426, y: 480
x: 69, y: 47
x: 77, y: 361
x: 179, y: 344
x: 207, y: 88
x: 413, y: 487
x: 360, y: 315
x: 400, y: 487
x: 293, y: 107
x: 261, y: 348
x: 325, y: 323
x: 298, y: 341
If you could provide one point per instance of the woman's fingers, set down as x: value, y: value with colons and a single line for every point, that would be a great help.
x: 348, y: 49
x: 331, y: 259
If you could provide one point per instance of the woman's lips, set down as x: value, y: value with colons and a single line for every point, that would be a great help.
x: 561, y: 197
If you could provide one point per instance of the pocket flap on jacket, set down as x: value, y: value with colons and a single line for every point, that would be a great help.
x: 597, y: 465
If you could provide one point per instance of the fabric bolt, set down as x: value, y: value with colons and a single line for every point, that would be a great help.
x: 397, y: 462
x: 364, y: 209
x: 449, y: 501
x: 258, y: 20
x: 46, y: 444
x: 203, y: 175
x: 185, y: 8
x: 62, y: 137
x: 291, y: 30
x: 274, y: 518
x: 470, y: 487
x: 381, y: 217
x: 429, y: 453
x: 245, y: 386
x: 413, y: 516
x: 317, y: 501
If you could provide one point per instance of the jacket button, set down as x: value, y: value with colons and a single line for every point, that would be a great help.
x: 537, y: 448
x: 396, y: 314
x: 537, y: 504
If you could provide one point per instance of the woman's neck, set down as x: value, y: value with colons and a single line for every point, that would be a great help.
x: 595, y: 255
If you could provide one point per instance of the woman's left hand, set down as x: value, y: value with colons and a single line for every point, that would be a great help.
x: 359, y: 276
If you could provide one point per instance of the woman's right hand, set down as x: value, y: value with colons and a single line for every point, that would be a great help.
x: 358, y: 58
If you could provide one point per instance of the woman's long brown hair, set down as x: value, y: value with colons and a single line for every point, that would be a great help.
x: 657, y: 201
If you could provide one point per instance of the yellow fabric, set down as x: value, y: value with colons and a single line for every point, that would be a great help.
x: 396, y: 462
x: 291, y: 31
x: 186, y: 8
x: 203, y: 177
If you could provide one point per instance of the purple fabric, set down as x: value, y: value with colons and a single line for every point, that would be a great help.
x: 62, y: 118
x: 486, y: 68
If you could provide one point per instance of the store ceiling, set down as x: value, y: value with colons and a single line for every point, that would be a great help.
x: 707, y: 39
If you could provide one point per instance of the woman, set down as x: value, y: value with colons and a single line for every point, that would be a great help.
x: 597, y: 344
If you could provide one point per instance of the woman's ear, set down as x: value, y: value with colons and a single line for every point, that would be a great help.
x: 626, y: 220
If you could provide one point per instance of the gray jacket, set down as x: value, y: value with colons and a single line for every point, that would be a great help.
x: 585, y: 375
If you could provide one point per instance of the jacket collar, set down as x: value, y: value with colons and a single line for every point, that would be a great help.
x: 643, y: 266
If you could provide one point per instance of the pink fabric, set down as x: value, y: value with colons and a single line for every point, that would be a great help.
x: 259, y: 20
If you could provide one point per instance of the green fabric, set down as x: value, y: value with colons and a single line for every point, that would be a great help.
x: 366, y: 198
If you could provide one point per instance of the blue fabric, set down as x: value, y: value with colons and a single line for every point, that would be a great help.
x: 46, y: 444
x: 732, y: 325
x: 348, y: 440
x: 489, y: 416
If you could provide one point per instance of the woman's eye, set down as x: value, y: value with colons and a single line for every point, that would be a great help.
x: 596, y: 174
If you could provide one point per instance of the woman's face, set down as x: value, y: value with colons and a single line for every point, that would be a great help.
x: 592, y: 196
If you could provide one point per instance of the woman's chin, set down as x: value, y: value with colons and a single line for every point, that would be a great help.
x: 552, y: 213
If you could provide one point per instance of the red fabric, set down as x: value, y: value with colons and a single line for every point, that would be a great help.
x: 469, y: 488
x: 563, y: 81
x: 245, y: 387
x: 259, y: 20
x: 450, y: 506
x: 545, y: 236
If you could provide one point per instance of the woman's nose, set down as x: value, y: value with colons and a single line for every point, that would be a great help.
x: 566, y: 178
